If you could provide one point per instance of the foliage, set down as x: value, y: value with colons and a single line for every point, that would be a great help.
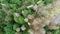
x: 10, y: 22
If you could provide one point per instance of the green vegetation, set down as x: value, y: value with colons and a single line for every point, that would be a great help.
x: 11, y: 16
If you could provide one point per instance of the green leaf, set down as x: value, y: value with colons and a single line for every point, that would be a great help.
x: 57, y: 31
x: 46, y: 28
x: 2, y: 14
x: 25, y: 32
x: 15, y: 26
x: 47, y: 1
x: 7, y: 29
x: 10, y: 32
x: 21, y: 20
x: 11, y: 11
x: 26, y: 12
x: 13, y: 5
x: 34, y: 14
